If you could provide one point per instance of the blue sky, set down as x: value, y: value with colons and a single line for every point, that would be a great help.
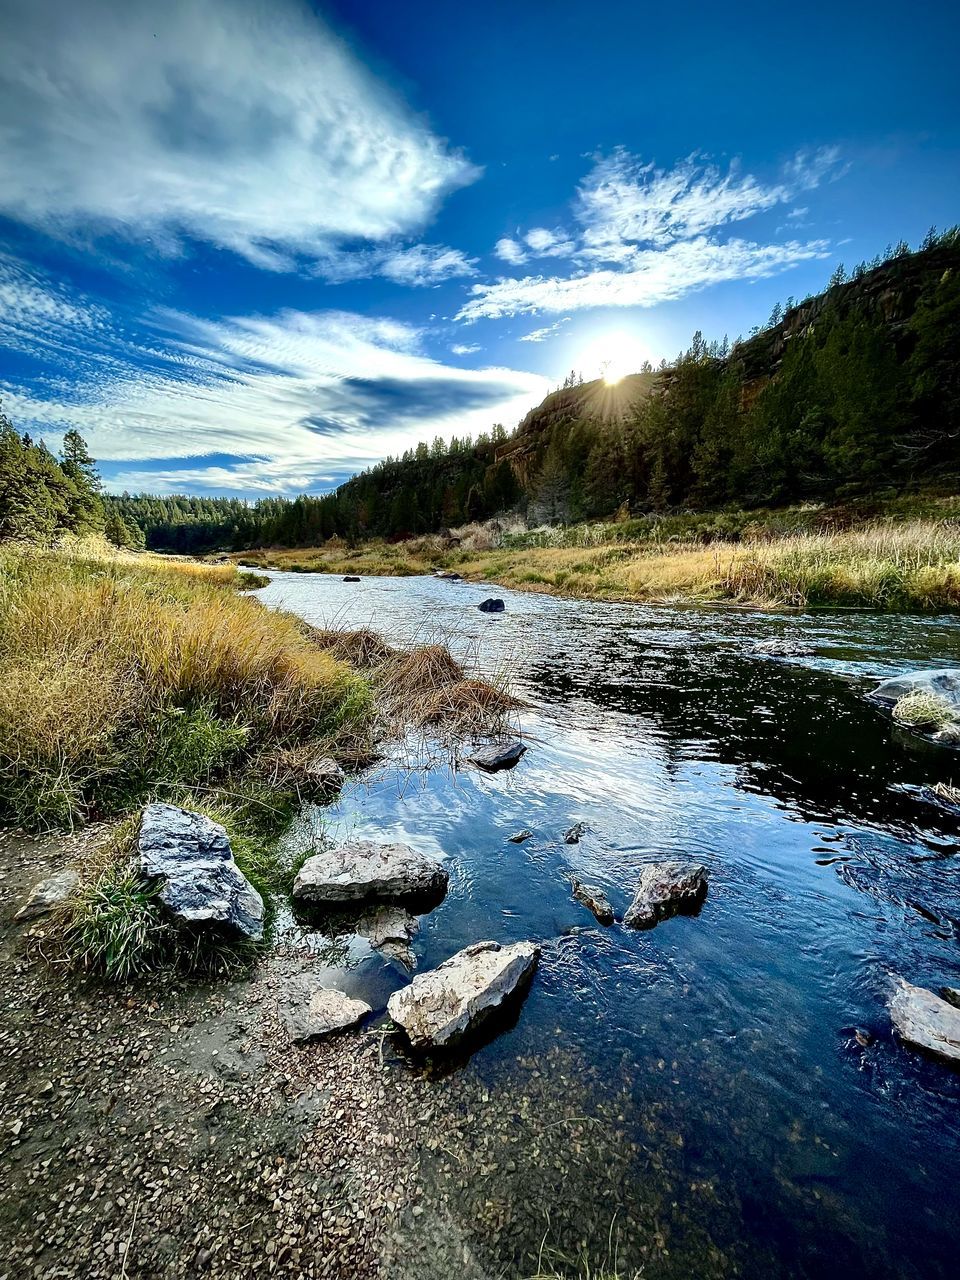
x: 252, y: 246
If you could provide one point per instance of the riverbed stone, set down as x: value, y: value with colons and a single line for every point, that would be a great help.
x: 491, y: 606
x: 325, y: 774
x: 202, y: 884
x: 311, y: 1010
x: 390, y: 930
x: 943, y: 683
x: 48, y: 894
x: 783, y: 648
x: 666, y: 889
x: 574, y: 834
x: 498, y: 755
x: 351, y: 577
x: 593, y: 899
x: 518, y: 837
x: 440, y: 1008
x: 359, y: 870
x: 925, y: 1020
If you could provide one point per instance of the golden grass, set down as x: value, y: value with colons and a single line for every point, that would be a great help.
x: 911, y: 566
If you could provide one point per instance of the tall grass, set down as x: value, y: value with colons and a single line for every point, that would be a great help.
x: 121, y: 675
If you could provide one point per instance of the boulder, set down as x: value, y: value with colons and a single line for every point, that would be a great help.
x: 440, y: 1008
x: 943, y: 683
x: 923, y: 1019
x: 311, y: 1010
x: 447, y: 576
x: 358, y: 870
x: 201, y: 882
x: 491, y: 606
x: 498, y: 755
x: 575, y: 833
x: 48, y: 894
x: 594, y: 900
x: 351, y: 578
x: 666, y: 889
x: 325, y: 774
x: 782, y: 648
x: 518, y: 837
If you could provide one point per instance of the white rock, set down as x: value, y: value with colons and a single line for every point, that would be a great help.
x: 664, y: 889
x: 361, y: 869
x: 442, y: 1006
x: 48, y: 894
x: 923, y: 1019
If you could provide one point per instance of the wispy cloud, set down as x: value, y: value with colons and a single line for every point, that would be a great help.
x: 293, y: 397
x: 541, y: 335
x: 465, y: 348
x: 648, y: 235
x: 426, y: 264
x: 654, y: 276
x: 243, y: 123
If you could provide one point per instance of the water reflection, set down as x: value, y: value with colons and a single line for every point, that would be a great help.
x: 728, y: 1036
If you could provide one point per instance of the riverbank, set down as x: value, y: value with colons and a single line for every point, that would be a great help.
x: 907, y: 567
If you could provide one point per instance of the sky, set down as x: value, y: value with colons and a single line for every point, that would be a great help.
x: 250, y: 247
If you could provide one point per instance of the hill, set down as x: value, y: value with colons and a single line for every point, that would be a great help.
x: 850, y: 394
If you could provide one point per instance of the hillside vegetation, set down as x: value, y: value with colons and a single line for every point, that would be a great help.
x: 849, y: 395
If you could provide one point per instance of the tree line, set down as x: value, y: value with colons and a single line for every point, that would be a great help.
x: 854, y: 391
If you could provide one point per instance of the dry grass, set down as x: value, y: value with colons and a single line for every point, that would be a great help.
x: 362, y: 648
x: 912, y: 566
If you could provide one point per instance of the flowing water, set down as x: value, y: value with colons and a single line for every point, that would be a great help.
x: 796, y: 1150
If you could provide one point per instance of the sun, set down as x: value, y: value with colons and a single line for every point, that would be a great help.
x: 611, y: 356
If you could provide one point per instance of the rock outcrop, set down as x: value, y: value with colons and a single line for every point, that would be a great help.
x: 666, y: 889
x: 202, y: 884
x: 362, y: 870
x: 446, y: 1005
x: 593, y: 899
x: 498, y: 755
x: 48, y: 894
x: 923, y: 1019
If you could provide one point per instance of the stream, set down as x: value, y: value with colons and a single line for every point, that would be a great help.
x: 753, y: 1040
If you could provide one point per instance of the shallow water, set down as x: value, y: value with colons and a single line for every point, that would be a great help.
x: 828, y: 874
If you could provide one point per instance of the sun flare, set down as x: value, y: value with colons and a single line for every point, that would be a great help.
x: 611, y: 356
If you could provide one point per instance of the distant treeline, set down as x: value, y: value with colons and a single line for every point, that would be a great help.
x: 844, y: 395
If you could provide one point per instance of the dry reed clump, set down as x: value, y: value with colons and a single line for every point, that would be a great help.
x: 419, y: 672
x: 922, y: 710
x: 361, y: 648
x: 465, y: 706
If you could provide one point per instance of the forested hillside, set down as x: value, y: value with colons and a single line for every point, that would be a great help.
x: 852, y: 393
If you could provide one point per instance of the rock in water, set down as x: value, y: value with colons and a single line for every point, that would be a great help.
x: 311, y: 1010
x: 491, y: 606
x: 441, y: 1007
x: 48, y: 894
x: 593, y: 899
x: 358, y: 870
x: 666, y: 889
x: 202, y: 883
x: 924, y: 1020
x: 519, y: 836
x: 325, y: 774
x: 499, y: 755
x: 575, y: 833
x: 351, y: 578
x: 943, y: 684
x: 783, y: 649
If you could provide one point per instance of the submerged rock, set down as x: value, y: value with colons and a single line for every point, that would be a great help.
x: 491, y: 606
x: 499, y: 755
x: 325, y: 774
x: 666, y: 889
x: 191, y: 854
x: 923, y: 1019
x: 390, y: 930
x: 311, y: 1010
x: 48, y: 894
x: 441, y: 1007
x: 593, y: 899
x: 783, y: 648
x: 519, y: 836
x: 358, y: 870
x: 575, y: 833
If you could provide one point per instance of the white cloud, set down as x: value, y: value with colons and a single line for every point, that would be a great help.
x: 509, y: 250
x: 465, y: 348
x: 794, y: 214
x: 243, y: 123
x: 294, y: 397
x: 655, y: 275
x: 426, y: 264
x: 541, y: 335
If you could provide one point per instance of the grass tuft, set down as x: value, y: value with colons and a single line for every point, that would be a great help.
x: 923, y: 711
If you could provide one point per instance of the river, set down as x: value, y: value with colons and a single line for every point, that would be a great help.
x: 731, y: 1037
